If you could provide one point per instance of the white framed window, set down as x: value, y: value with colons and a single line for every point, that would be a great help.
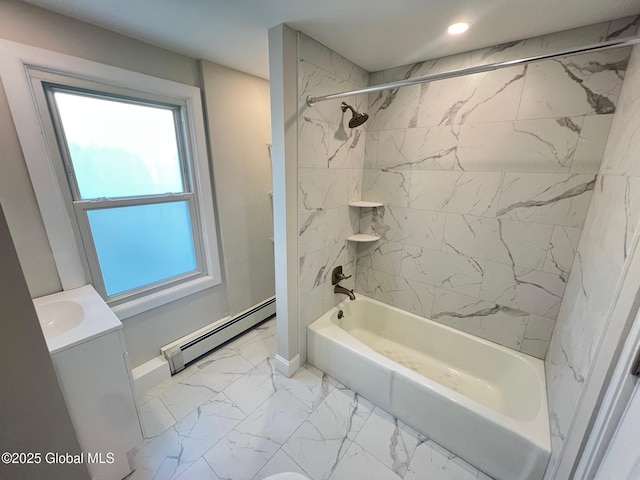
x: 119, y: 166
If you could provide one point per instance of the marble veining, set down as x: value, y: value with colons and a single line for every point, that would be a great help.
x: 600, y: 259
x: 473, y: 193
x: 624, y: 27
x: 397, y: 108
x: 534, y: 291
x: 590, y: 290
x: 483, y: 97
x: 431, y: 148
x: 545, y: 198
x: 562, y: 249
x: 384, y: 104
x: 498, y: 323
x: 578, y: 85
x: 537, y: 336
x: 482, y: 312
x: 503, y: 241
x: 334, y: 425
x: 392, y: 185
x: 599, y: 103
x: 454, y: 272
x: 402, y: 440
x: 520, y: 146
x: 410, y: 295
x: 312, y: 234
x: 550, y: 43
x: 614, y: 214
x: 381, y: 256
x: 591, y: 144
x: 317, y: 54
x: 420, y: 228
x: 571, y: 192
x: 619, y: 156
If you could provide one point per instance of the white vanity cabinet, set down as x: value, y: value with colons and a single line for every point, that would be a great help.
x: 90, y: 358
x: 98, y: 391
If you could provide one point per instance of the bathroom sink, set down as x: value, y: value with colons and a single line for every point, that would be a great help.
x: 74, y: 316
x: 59, y: 317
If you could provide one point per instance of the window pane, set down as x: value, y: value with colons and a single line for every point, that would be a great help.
x: 119, y: 149
x: 143, y: 244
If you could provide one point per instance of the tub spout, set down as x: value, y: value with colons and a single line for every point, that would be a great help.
x: 345, y: 291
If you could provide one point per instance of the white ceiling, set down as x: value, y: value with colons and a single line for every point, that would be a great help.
x: 375, y: 34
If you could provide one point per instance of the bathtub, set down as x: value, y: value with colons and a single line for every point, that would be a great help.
x: 484, y: 402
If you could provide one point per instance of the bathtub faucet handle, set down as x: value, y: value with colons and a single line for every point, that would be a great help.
x: 337, y: 275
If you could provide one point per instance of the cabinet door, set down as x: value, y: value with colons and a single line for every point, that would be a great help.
x: 96, y: 386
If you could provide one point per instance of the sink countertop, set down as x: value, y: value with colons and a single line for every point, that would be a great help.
x: 73, y: 317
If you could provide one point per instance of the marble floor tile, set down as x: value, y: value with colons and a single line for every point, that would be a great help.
x: 310, y: 385
x: 277, y: 418
x: 155, y: 418
x: 279, y: 463
x: 224, y: 351
x: 144, y: 397
x: 321, y: 441
x: 253, y: 388
x: 389, y: 440
x: 240, y: 455
x: 247, y: 448
x: 220, y: 372
x: 260, y: 348
x: 177, y: 448
x: 432, y: 461
x: 200, y: 470
x: 358, y: 463
x: 182, y: 399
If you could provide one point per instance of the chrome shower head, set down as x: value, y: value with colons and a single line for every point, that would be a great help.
x: 357, y: 119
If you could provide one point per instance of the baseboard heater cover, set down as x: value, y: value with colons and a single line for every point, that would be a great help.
x: 186, y: 349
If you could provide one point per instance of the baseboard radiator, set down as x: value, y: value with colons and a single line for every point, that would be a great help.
x: 193, y: 346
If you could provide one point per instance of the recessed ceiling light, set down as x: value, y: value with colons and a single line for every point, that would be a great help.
x: 458, y: 28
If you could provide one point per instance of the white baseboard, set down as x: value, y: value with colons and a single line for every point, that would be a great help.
x: 150, y: 374
x: 287, y: 367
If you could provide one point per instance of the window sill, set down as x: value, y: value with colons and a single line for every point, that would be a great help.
x: 140, y: 305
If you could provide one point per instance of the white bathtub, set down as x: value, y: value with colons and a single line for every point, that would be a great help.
x: 485, y: 403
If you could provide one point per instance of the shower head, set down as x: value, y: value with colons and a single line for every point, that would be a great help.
x: 357, y: 119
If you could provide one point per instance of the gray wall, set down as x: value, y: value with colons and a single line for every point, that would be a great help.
x: 33, y: 414
x: 239, y: 128
x: 146, y: 332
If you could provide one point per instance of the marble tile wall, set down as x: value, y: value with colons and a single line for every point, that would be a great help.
x: 330, y: 163
x: 611, y: 223
x: 486, y: 182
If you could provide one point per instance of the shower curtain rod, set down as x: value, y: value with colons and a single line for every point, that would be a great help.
x: 311, y: 101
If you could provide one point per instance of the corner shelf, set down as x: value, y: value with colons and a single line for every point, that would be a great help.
x: 362, y: 238
x: 365, y: 204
